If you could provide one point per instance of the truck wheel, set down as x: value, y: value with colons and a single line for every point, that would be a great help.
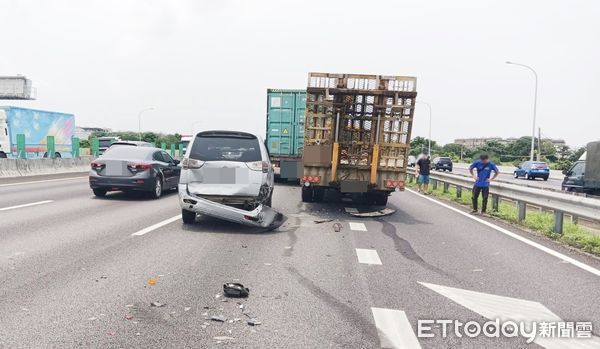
x: 318, y: 195
x: 307, y: 194
x: 188, y: 217
x: 57, y: 155
x: 99, y: 192
x: 3, y: 155
x: 381, y: 199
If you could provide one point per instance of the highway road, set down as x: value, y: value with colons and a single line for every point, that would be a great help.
x: 75, y: 272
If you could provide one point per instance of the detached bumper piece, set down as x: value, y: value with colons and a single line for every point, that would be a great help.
x: 262, y: 216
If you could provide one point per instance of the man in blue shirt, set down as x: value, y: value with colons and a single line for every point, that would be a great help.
x: 484, y: 169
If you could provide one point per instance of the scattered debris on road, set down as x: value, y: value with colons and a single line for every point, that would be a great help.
x: 337, y: 227
x: 158, y: 304
x: 223, y: 338
x: 235, y: 290
x: 152, y: 281
x: 380, y: 213
x: 129, y: 317
x: 254, y: 322
x: 319, y: 221
x: 218, y: 318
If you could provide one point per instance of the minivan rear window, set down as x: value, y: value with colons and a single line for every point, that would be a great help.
x: 224, y: 147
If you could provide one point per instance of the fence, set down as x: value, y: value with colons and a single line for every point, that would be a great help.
x: 559, y: 203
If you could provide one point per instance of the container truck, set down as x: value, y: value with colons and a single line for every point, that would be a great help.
x: 27, y: 130
x: 357, y: 135
x: 584, y: 175
x: 285, y: 131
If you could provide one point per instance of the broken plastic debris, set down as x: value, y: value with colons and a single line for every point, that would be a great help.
x: 187, y: 308
x: 385, y: 212
x: 158, y: 304
x: 103, y: 277
x: 319, y: 221
x: 219, y: 318
x: 152, y: 281
x: 129, y: 316
x: 223, y: 338
x: 235, y: 290
x: 337, y: 227
x: 254, y: 322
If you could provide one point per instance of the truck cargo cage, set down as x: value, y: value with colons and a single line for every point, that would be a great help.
x: 359, y: 111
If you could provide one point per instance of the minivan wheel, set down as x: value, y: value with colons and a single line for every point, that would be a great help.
x: 188, y: 217
x: 158, y: 188
x: 269, y: 201
x: 515, y: 174
x: 99, y: 192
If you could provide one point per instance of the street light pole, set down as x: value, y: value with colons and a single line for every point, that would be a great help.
x: 429, y: 137
x: 534, y: 106
x: 140, y: 121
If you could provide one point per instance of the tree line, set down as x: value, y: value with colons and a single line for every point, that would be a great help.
x: 561, y: 157
x: 150, y: 137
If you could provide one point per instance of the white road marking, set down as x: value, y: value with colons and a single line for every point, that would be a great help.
x: 350, y: 210
x: 26, y: 205
x: 512, y: 309
x: 367, y: 256
x: 394, y: 329
x: 357, y: 226
x: 156, y: 226
x: 517, y: 237
x: 43, y: 181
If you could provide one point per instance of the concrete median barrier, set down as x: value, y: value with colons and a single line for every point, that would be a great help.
x: 32, y: 167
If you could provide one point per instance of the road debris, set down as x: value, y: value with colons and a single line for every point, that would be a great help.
x: 157, y: 304
x: 319, y: 221
x: 337, y: 227
x: 379, y: 213
x: 235, y: 290
x: 187, y: 308
x: 254, y: 322
x: 152, y: 281
x: 129, y: 317
x: 218, y: 318
x: 223, y: 338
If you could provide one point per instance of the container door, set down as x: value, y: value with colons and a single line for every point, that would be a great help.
x: 300, y: 108
x: 280, y: 123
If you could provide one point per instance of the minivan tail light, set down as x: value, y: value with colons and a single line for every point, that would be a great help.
x: 258, y: 166
x: 188, y: 163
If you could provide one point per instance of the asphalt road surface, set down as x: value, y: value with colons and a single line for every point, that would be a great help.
x: 79, y: 271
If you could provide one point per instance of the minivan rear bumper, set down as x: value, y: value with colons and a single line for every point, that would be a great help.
x: 262, y: 216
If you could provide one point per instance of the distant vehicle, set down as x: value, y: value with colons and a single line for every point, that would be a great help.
x: 36, y: 125
x: 442, y: 163
x: 412, y: 160
x: 126, y: 168
x: 285, y: 131
x: 185, y: 140
x: 584, y: 175
x: 227, y: 175
x: 132, y: 143
x: 532, y: 170
x: 105, y: 142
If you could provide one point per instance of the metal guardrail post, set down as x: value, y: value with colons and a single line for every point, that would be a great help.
x: 574, y: 219
x: 558, y: 221
x: 495, y: 202
x: 446, y: 187
x: 521, y: 210
x: 434, y: 183
x: 458, y: 191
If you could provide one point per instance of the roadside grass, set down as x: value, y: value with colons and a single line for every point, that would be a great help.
x: 542, y: 222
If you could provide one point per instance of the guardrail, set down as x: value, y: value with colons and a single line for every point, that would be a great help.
x: 559, y: 203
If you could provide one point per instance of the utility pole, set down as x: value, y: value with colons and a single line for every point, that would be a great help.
x: 534, y: 104
x: 539, y: 144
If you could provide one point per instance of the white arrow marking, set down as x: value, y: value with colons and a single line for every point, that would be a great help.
x: 512, y: 309
x: 394, y: 329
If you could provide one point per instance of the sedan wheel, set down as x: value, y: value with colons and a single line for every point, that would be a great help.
x: 515, y: 174
x: 157, y: 192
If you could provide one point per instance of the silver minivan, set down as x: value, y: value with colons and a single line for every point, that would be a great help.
x: 227, y: 175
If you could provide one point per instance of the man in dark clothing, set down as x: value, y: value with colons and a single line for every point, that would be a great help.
x: 484, y: 169
x: 423, y: 167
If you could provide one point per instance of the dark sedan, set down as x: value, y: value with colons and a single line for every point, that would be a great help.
x: 127, y: 168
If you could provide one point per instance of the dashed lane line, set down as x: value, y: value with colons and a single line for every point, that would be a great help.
x: 156, y: 226
x: 357, y: 226
x: 394, y: 329
x: 516, y: 237
x: 43, y: 181
x: 367, y: 256
x: 26, y: 205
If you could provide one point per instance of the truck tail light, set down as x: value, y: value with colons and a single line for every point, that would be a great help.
x: 138, y: 167
x: 311, y: 179
x: 188, y: 163
x: 394, y: 184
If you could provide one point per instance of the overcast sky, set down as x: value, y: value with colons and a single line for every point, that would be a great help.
x: 208, y: 64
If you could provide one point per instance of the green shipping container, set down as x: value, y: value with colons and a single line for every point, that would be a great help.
x: 285, y: 122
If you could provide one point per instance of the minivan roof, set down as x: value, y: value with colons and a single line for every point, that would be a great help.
x: 220, y: 133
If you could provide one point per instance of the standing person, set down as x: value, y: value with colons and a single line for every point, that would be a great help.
x: 423, y: 167
x: 484, y: 169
